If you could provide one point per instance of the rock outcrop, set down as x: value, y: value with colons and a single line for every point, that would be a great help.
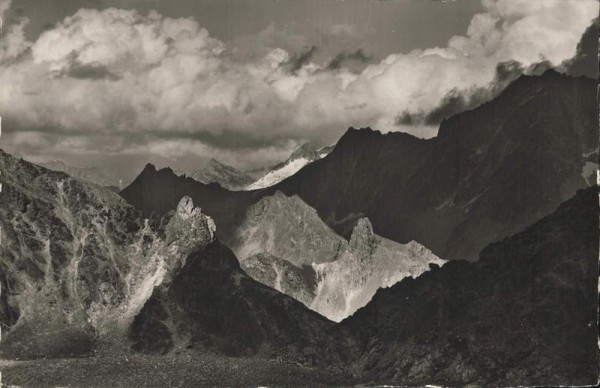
x: 282, y: 242
x: 283, y: 227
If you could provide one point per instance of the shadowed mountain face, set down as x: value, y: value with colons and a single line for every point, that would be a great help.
x: 524, y: 314
x: 489, y: 173
x: 77, y: 262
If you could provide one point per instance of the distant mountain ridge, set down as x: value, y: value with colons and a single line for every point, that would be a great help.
x: 489, y: 172
x: 236, y: 180
x: 88, y: 174
x: 227, y: 176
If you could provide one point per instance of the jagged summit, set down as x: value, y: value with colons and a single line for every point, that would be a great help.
x: 363, y: 236
x: 149, y: 168
x: 285, y: 227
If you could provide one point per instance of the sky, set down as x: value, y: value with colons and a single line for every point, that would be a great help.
x: 120, y: 83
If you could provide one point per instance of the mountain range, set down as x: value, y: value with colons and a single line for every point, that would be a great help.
x: 467, y: 259
x: 101, y: 278
x: 490, y: 172
x: 82, y: 271
x: 236, y: 180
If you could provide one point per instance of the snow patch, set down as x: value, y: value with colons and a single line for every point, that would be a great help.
x: 276, y: 176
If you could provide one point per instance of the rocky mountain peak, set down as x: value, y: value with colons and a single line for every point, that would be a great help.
x: 149, y: 168
x: 185, y: 208
x: 189, y: 227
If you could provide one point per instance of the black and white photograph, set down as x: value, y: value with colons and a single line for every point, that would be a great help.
x: 299, y: 193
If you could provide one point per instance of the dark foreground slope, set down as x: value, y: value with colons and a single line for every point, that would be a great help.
x: 524, y: 314
x: 212, y: 305
x: 489, y: 173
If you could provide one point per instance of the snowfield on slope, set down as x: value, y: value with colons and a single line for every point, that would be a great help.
x: 276, y: 176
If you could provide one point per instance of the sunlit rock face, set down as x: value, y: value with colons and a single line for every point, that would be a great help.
x: 77, y: 262
x: 282, y: 242
x: 284, y: 227
x: 367, y: 263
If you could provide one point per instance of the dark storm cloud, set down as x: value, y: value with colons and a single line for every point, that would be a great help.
x: 297, y: 61
x: 94, y: 72
x: 344, y: 57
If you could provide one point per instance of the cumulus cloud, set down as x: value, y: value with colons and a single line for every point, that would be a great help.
x: 4, y: 6
x: 114, y: 81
